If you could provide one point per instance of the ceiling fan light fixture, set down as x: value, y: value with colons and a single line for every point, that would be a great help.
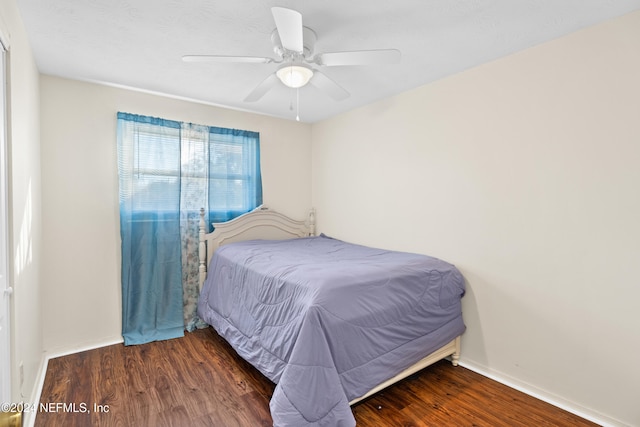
x: 294, y: 76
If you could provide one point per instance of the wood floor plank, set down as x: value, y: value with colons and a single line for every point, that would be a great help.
x: 199, y: 380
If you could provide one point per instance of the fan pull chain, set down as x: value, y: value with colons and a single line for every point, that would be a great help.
x: 297, y: 105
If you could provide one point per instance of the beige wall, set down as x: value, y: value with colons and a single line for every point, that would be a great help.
x: 24, y: 206
x: 81, y: 272
x: 524, y: 173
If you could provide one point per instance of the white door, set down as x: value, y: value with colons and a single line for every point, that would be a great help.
x: 5, y: 286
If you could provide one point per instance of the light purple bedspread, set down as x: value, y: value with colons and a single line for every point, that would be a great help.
x: 327, y: 320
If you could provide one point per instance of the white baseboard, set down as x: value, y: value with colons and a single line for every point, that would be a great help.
x: 30, y: 418
x: 59, y: 352
x: 550, y: 398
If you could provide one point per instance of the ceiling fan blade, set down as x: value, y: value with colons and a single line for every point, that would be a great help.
x: 359, y: 57
x: 222, y: 58
x: 289, y: 25
x: 262, y: 88
x: 327, y: 85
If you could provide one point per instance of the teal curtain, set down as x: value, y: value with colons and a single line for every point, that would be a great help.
x: 167, y: 171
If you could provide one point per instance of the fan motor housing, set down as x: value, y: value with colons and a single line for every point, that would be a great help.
x: 309, y: 38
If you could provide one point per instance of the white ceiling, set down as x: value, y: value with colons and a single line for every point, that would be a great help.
x: 139, y: 43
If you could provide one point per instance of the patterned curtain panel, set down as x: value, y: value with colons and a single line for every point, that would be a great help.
x: 167, y: 171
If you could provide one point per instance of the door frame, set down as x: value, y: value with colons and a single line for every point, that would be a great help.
x: 6, y: 289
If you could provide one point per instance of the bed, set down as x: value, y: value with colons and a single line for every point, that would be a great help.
x: 329, y: 322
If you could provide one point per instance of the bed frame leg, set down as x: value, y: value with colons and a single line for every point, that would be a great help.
x: 455, y: 357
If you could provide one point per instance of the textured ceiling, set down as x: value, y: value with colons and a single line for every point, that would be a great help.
x: 139, y: 43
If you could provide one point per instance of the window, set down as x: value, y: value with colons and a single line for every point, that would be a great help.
x: 159, y: 158
x: 167, y: 171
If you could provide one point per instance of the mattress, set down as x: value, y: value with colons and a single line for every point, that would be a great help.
x: 327, y: 320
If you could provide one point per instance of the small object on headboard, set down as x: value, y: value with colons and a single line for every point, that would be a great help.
x: 312, y: 222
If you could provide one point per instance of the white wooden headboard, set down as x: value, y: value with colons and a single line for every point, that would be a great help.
x: 262, y: 223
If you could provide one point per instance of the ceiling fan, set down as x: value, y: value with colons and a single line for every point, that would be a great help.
x: 293, y: 45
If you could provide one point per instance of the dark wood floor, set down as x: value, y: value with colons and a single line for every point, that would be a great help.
x: 198, y: 380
